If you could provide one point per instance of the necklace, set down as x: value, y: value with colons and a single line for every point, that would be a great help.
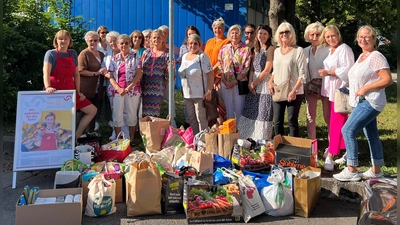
x: 285, y: 50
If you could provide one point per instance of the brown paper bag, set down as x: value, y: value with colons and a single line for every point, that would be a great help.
x: 153, y: 130
x: 211, y: 140
x: 145, y: 189
x: 226, y: 143
x: 306, y: 191
x: 202, y: 161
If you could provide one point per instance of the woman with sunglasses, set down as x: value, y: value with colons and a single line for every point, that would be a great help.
x: 289, y: 66
x: 92, y: 79
x: 60, y: 72
x: 256, y: 119
x: 154, y: 63
x: 334, y: 76
x: 103, y: 46
x: 125, y: 88
x: 137, y: 40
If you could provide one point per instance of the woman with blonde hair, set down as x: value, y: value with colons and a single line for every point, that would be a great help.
x: 315, y: 55
x: 60, y: 72
x: 213, y: 45
x: 368, y: 78
x: 289, y: 66
x: 334, y: 76
x: 154, y: 64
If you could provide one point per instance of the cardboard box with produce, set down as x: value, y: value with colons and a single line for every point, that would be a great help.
x: 213, y: 204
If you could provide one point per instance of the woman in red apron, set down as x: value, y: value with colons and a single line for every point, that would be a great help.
x: 60, y: 72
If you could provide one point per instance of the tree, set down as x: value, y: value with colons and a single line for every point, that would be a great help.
x: 28, y: 32
x: 281, y: 10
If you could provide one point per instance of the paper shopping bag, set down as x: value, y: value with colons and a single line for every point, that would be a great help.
x: 211, y: 142
x: 226, y: 143
x: 202, y: 161
x: 145, y: 189
x: 172, y: 193
x: 153, y: 130
x: 307, y: 186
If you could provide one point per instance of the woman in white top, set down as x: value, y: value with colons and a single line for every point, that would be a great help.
x: 335, y: 76
x: 368, y: 79
x: 196, y: 70
x: 315, y: 55
x: 102, y: 45
x: 289, y: 62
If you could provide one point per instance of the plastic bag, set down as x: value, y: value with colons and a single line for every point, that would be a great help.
x: 220, y: 162
x: 219, y: 178
x: 259, y: 179
x: 277, y: 199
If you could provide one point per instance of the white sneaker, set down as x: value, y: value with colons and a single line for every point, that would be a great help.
x: 346, y: 175
x: 110, y: 123
x: 96, y: 126
x: 370, y: 175
x: 342, y: 160
x: 326, y: 153
x: 328, y: 164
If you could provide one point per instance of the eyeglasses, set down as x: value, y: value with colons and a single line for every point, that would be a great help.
x: 95, y: 40
x: 249, y: 33
x: 284, y: 32
x: 104, y: 32
x: 367, y: 38
x: 138, y: 37
x: 124, y: 43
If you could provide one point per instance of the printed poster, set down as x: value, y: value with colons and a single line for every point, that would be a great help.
x: 45, y: 129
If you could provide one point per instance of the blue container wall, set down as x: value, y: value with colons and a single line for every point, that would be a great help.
x: 126, y: 16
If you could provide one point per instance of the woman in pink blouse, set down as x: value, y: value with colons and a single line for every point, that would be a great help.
x: 125, y: 88
x: 234, y: 62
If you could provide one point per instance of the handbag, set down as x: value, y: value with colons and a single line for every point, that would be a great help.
x: 314, y: 86
x: 116, y: 150
x: 341, y: 101
x: 281, y: 91
x: 243, y: 87
x: 211, y: 106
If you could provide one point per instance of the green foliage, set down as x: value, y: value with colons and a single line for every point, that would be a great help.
x: 28, y: 32
x: 349, y: 15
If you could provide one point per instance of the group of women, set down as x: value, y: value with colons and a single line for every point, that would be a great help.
x: 134, y: 70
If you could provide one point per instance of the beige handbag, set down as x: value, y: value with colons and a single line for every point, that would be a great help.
x: 341, y: 102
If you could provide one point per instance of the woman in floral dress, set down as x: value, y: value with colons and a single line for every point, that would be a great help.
x: 256, y: 119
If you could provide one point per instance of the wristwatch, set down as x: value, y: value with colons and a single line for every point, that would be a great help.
x: 296, y: 91
x: 94, y: 74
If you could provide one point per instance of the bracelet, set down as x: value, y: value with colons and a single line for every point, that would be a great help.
x: 94, y: 74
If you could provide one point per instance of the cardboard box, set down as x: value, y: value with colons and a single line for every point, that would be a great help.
x: 118, y: 190
x: 295, y: 152
x: 195, y: 213
x: 55, y: 213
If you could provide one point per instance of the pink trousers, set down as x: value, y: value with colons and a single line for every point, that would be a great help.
x: 336, y: 123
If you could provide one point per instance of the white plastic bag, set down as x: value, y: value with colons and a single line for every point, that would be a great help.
x: 251, y: 201
x: 101, y: 197
x: 277, y: 198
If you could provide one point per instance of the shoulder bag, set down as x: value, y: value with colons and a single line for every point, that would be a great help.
x: 281, y: 91
x: 314, y: 85
x: 243, y: 86
x: 211, y: 106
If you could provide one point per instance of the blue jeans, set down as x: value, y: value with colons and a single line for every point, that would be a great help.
x: 363, y: 117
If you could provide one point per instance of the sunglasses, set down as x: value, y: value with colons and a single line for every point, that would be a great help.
x: 124, y: 43
x: 95, y: 40
x: 249, y: 33
x: 104, y: 32
x: 284, y: 32
x: 138, y: 37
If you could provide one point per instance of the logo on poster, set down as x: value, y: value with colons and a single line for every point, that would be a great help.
x: 31, y: 115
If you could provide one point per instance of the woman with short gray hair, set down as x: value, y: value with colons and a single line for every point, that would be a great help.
x: 234, y: 63
x: 89, y: 64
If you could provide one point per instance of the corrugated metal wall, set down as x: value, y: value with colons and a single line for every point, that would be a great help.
x: 126, y: 16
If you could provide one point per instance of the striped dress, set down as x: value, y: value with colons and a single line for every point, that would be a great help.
x: 154, y: 79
